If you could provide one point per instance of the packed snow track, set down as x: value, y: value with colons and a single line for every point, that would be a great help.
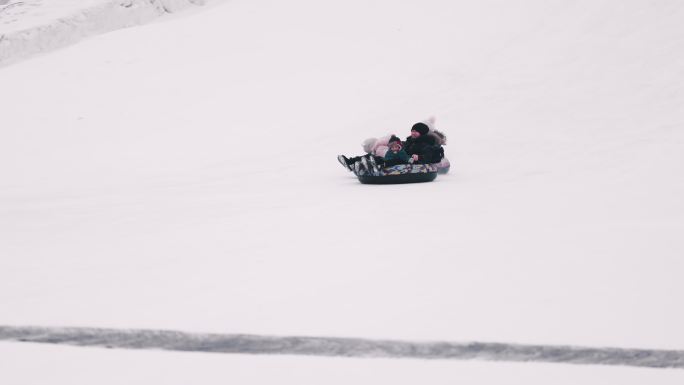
x: 345, y: 347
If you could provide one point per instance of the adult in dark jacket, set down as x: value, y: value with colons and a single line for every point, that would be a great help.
x: 421, y: 147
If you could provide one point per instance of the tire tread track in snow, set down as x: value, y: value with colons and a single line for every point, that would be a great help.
x: 341, y: 347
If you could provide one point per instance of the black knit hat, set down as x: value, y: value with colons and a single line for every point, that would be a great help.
x: 393, y: 138
x: 422, y: 128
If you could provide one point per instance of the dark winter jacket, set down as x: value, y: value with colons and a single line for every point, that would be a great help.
x: 393, y: 158
x: 426, y: 147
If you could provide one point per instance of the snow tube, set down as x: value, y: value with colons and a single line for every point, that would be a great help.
x: 443, y: 166
x: 403, y: 173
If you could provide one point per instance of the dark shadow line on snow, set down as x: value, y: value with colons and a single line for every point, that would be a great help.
x: 341, y: 347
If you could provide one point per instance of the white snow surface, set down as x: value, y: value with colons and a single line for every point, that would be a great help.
x: 33, y: 26
x: 31, y: 364
x: 182, y: 175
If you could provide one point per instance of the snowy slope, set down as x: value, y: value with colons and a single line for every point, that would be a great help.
x: 182, y: 174
x: 33, y: 26
x: 33, y: 364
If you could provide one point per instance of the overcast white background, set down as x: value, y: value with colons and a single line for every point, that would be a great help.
x: 181, y: 174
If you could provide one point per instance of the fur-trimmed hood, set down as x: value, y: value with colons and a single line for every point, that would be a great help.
x: 439, y: 136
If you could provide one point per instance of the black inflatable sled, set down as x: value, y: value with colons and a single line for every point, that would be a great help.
x: 403, y: 173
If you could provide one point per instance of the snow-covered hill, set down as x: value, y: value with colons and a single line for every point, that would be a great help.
x: 34, y: 26
x: 182, y: 174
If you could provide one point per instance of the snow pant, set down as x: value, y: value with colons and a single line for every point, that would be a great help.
x: 378, y: 160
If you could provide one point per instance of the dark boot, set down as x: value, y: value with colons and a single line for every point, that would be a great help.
x: 345, y: 162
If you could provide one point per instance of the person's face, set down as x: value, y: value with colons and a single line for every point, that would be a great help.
x: 395, y: 147
x: 415, y: 134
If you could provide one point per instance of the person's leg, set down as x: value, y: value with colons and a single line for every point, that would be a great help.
x: 376, y: 162
x: 344, y: 161
x: 359, y: 168
x: 365, y: 161
x: 348, y: 163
